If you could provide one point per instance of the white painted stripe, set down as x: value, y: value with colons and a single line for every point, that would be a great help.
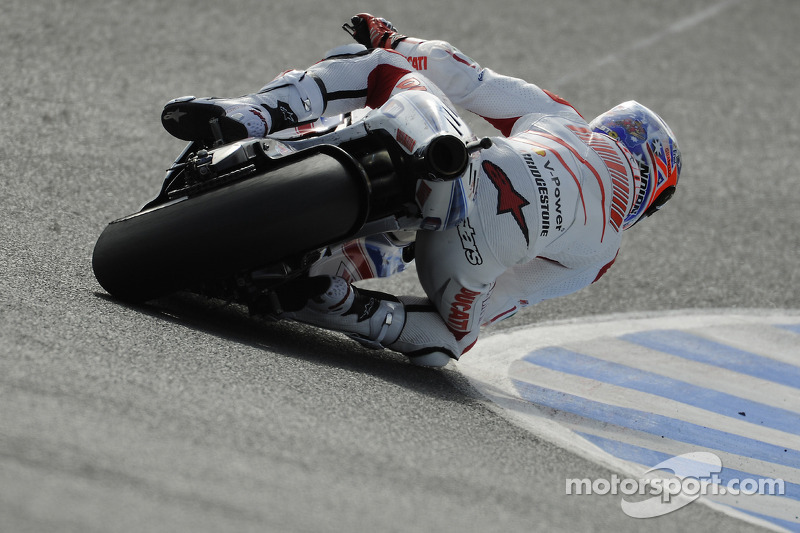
x: 782, y: 345
x: 491, y: 366
x: 774, y: 506
x: 674, y: 448
x: 694, y: 372
x: 540, y: 418
x: 499, y: 346
x: 627, y: 398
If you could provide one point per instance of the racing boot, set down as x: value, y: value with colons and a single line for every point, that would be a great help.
x: 330, y: 302
x: 291, y: 99
x: 374, y: 319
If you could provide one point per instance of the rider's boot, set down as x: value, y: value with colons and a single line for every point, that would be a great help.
x: 293, y: 98
x: 372, y: 318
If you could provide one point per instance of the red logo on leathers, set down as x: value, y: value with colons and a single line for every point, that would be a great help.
x: 508, y: 199
x: 411, y: 84
x: 459, y: 318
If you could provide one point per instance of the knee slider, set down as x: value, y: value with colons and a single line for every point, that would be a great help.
x: 434, y: 359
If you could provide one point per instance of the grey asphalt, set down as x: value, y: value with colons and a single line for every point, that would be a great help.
x: 186, y: 415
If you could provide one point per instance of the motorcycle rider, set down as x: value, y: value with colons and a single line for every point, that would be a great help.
x: 554, y: 193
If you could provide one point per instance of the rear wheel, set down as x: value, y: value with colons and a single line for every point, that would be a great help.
x: 311, y: 202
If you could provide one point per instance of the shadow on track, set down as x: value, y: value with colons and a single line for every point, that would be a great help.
x: 291, y: 339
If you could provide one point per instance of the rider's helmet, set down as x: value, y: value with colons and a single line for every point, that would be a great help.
x: 654, y: 147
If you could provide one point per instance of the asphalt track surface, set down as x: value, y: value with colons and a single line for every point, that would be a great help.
x: 185, y: 415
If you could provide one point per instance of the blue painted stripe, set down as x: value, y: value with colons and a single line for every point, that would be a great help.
x: 794, y: 328
x: 696, y: 348
x: 658, y: 425
x: 650, y: 458
x: 563, y: 360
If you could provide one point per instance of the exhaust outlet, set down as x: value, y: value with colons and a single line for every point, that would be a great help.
x: 446, y: 157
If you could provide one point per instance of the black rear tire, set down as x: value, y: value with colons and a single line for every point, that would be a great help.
x: 307, y: 204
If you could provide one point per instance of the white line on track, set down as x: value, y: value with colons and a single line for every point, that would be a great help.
x: 674, y: 28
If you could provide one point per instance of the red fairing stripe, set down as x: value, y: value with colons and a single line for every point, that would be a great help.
x: 381, y: 82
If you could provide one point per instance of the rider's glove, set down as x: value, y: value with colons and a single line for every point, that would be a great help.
x: 373, y: 32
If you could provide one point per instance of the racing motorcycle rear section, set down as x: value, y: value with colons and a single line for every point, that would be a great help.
x: 236, y: 220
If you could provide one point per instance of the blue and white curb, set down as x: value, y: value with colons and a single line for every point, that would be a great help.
x: 632, y: 393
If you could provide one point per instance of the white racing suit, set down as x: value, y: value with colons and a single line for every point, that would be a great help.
x: 548, y: 215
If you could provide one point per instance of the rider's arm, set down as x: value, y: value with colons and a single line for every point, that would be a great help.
x: 535, y: 281
x: 501, y: 100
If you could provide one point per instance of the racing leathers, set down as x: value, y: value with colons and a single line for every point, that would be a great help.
x: 547, y: 220
x: 550, y: 202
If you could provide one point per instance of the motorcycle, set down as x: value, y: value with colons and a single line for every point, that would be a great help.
x: 343, y: 196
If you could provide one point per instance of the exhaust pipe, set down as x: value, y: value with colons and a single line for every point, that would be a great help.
x: 446, y: 157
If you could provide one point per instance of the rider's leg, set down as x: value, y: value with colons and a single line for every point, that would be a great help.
x: 374, y: 319
x: 430, y: 331
x: 336, y: 85
x: 293, y: 98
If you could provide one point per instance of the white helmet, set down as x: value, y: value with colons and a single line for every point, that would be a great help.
x: 653, y: 145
